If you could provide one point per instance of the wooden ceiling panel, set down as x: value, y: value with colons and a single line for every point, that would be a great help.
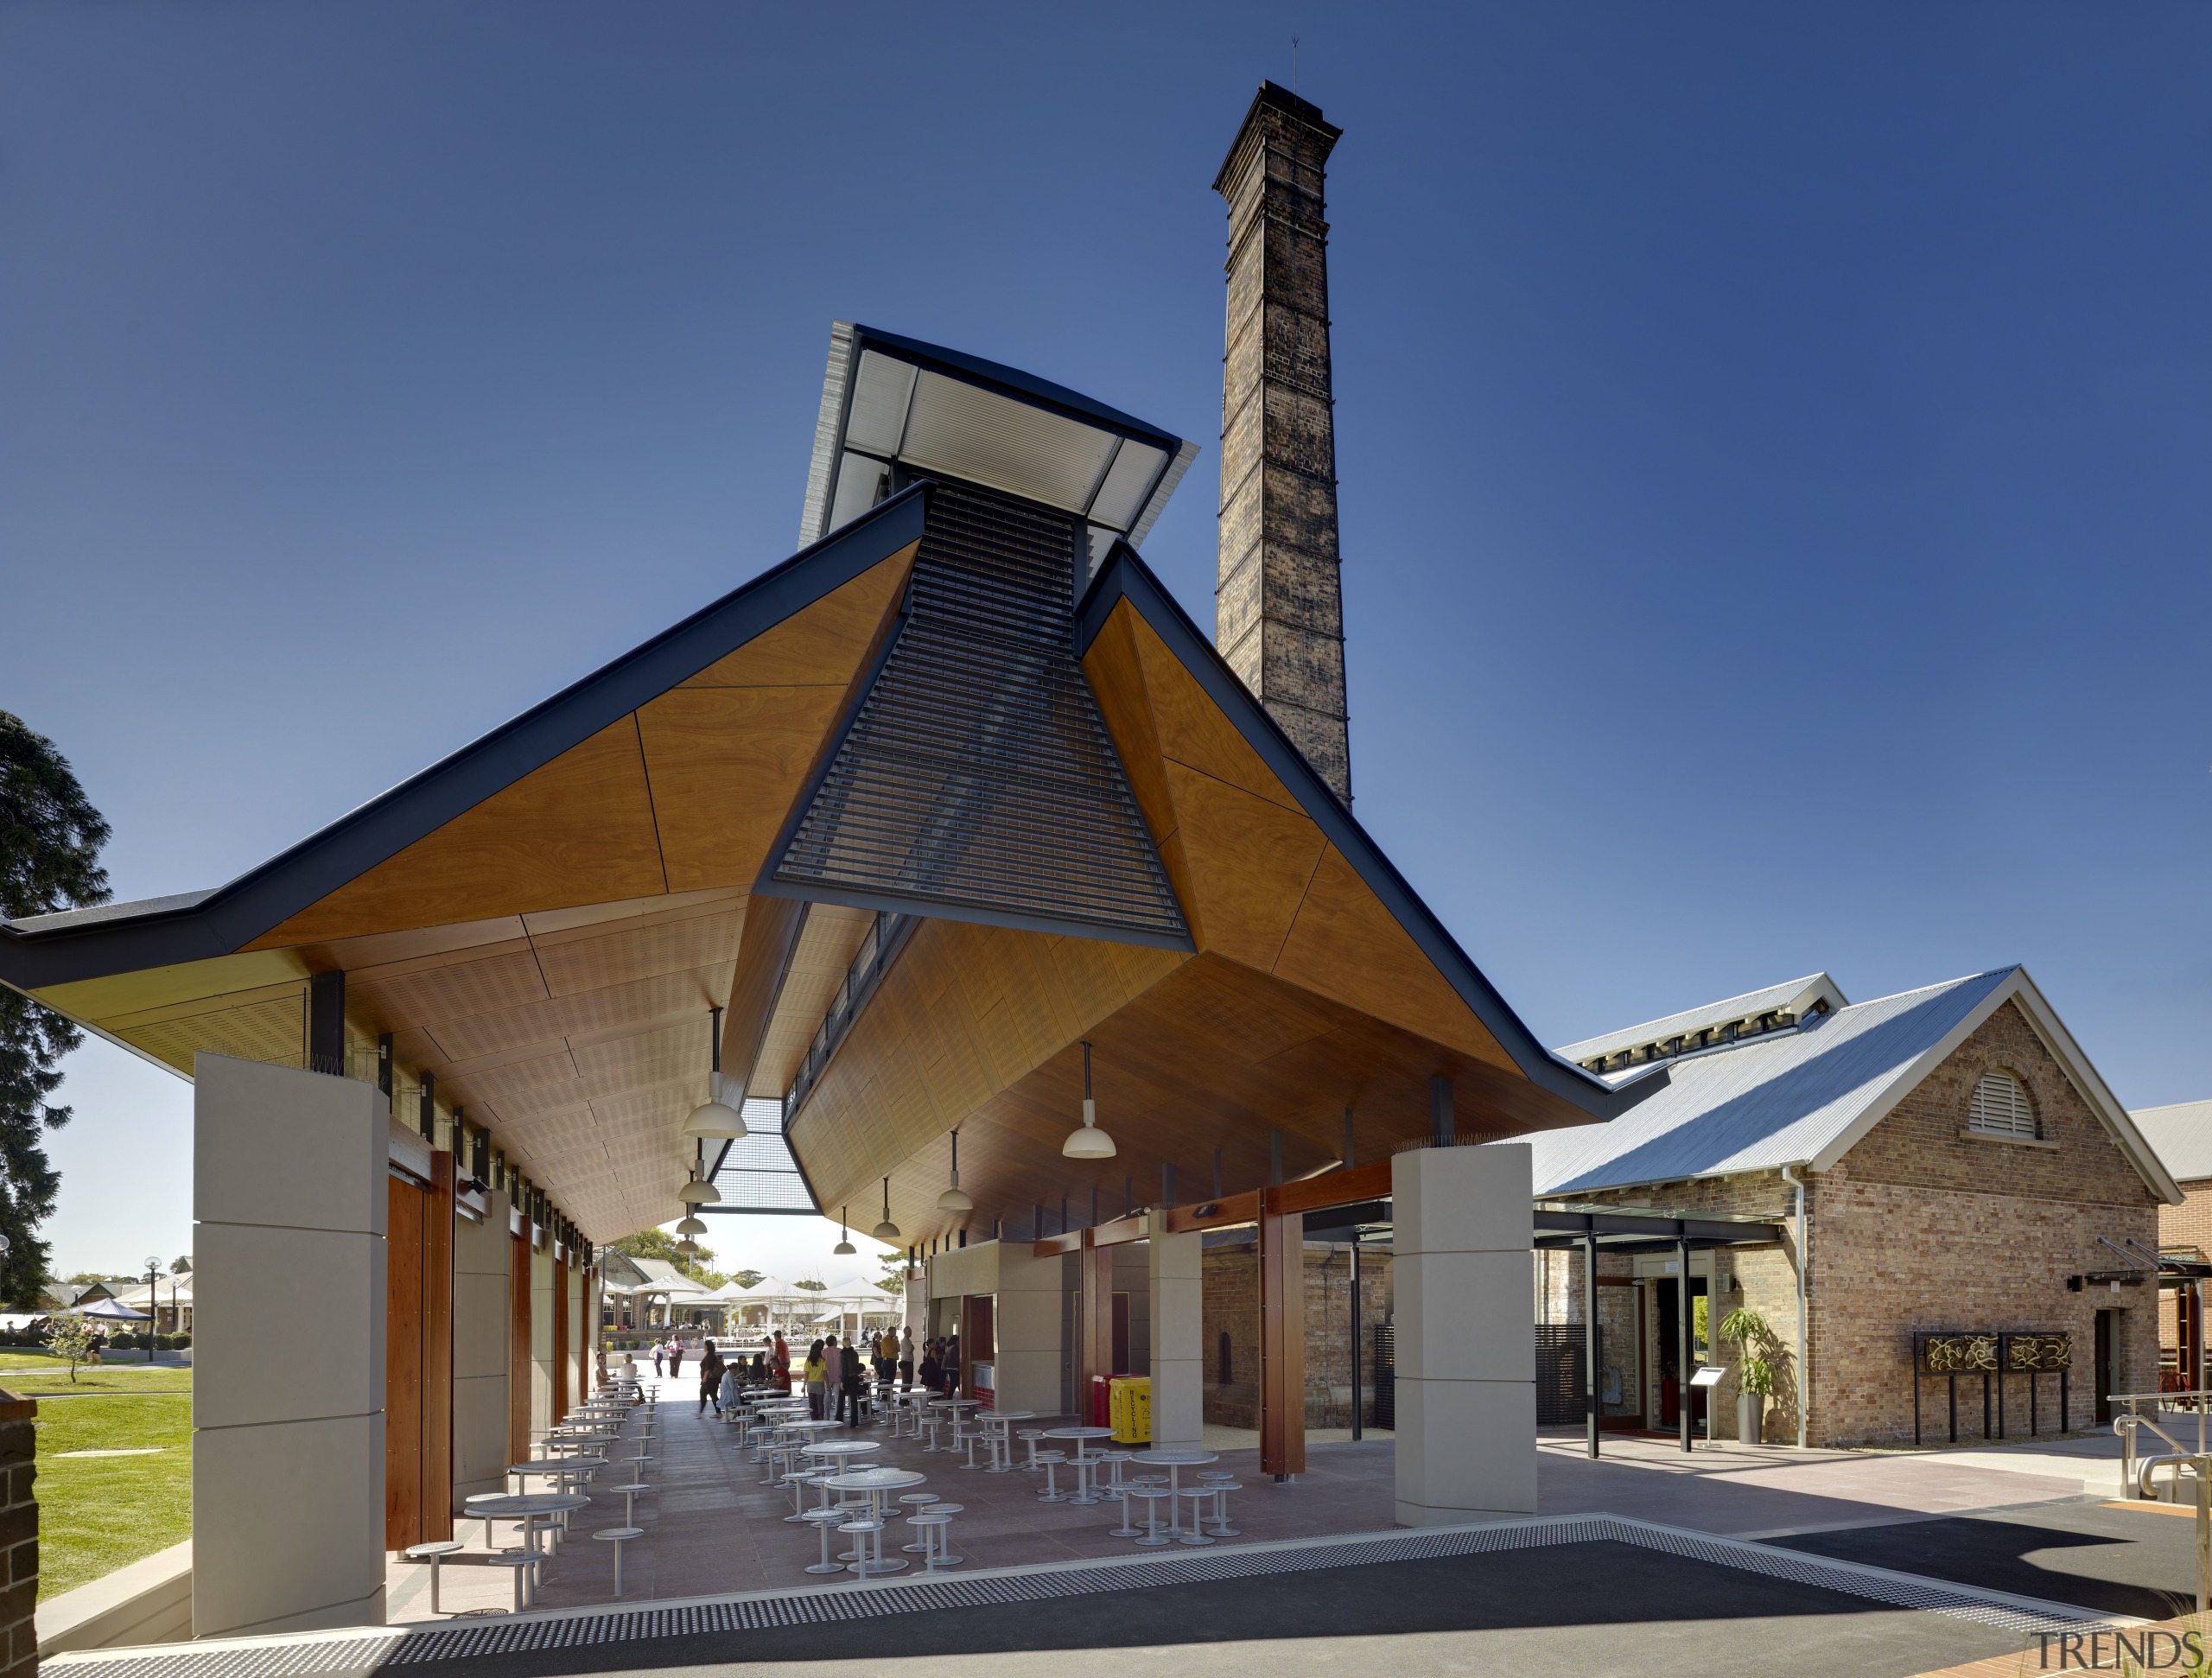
x: 1347, y: 944
x: 726, y: 765
x: 578, y: 831
x: 828, y: 940
x: 1191, y: 728
x: 822, y: 644
x: 447, y: 990
x: 1249, y: 861
x: 579, y: 963
x: 1117, y: 679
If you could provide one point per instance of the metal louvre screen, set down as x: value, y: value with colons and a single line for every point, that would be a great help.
x: 979, y: 773
x: 758, y: 1173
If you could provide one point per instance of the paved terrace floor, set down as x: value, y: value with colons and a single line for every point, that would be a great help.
x: 711, y: 1527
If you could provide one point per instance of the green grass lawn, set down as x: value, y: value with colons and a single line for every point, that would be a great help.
x: 97, y: 1514
x: 32, y: 1373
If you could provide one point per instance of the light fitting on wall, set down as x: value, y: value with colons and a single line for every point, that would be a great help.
x: 886, y: 1230
x: 953, y: 1200
x: 844, y: 1241
x: 1088, y: 1141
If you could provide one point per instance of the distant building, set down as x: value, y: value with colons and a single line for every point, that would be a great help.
x: 1965, y: 1169
x: 2182, y: 1133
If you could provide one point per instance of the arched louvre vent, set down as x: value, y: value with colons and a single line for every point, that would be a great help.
x: 978, y: 780
x: 2000, y: 1106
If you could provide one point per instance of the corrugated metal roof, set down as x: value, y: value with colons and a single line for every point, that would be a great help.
x: 1771, y: 1101
x: 2182, y: 1136
x: 1796, y: 995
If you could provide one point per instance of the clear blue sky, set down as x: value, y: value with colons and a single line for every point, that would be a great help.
x: 1774, y: 441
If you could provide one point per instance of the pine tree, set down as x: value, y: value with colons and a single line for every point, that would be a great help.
x: 50, y: 840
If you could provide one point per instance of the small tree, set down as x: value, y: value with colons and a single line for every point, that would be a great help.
x: 750, y: 1278
x: 72, y: 1337
x: 1748, y: 1330
x: 181, y: 1265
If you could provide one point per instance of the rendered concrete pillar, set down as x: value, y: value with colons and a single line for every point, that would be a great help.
x: 479, y: 1353
x: 542, y: 1372
x: 288, y: 1444
x: 1025, y: 1324
x: 574, y: 1382
x: 1178, y: 1334
x: 1466, y: 1390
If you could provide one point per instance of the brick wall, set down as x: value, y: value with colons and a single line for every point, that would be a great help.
x: 1232, y: 1306
x: 19, y: 1532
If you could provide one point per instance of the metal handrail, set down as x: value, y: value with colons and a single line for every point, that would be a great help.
x: 2137, y: 1411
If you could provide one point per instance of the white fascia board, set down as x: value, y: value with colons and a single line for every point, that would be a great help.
x: 1909, y: 1078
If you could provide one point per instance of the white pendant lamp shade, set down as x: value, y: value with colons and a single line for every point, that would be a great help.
x: 697, y: 1193
x: 691, y: 1226
x: 953, y: 1200
x: 686, y: 1247
x: 886, y: 1230
x: 713, y: 1121
x: 844, y: 1246
x: 1088, y: 1141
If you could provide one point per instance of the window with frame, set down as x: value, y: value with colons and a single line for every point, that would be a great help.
x: 2000, y: 1107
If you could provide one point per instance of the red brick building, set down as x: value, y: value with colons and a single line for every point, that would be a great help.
x: 1963, y: 1170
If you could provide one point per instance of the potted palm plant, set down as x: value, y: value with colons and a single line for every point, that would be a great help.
x: 1754, y: 1373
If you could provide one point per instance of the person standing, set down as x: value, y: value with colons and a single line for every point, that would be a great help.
x: 780, y: 1366
x: 710, y: 1379
x: 906, y: 1361
x: 952, y: 1367
x: 675, y: 1355
x: 834, y: 1362
x: 816, y: 1374
x: 850, y: 1395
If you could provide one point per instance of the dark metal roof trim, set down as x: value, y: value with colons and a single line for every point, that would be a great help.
x: 221, y: 922
x: 1126, y: 576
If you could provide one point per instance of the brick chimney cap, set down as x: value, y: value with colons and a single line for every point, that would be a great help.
x: 1273, y: 96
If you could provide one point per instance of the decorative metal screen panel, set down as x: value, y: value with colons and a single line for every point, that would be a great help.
x: 1959, y: 1354
x: 979, y: 774
x: 758, y: 1173
x: 2030, y: 1353
x: 1562, y: 1389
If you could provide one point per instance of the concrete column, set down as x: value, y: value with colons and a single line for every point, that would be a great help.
x: 918, y: 1306
x: 1026, y: 1324
x: 542, y: 1372
x: 287, y: 1443
x: 1178, y: 1334
x: 573, y: 1378
x: 1467, y: 1392
x: 479, y: 1353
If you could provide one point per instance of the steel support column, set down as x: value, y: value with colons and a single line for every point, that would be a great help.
x: 1590, y: 1339
x: 1683, y: 1360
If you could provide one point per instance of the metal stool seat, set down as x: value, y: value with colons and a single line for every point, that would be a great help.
x: 800, y: 1484
x: 1198, y: 1495
x: 1031, y: 1435
x: 433, y: 1553
x: 618, y: 1537
x: 525, y: 1580
x: 1153, y: 1537
x: 944, y: 1556
x: 860, y: 1529
x: 967, y: 1431
x: 1221, y: 1488
x: 1128, y: 1528
x: 932, y: 1420
x: 916, y: 1501
x: 824, y: 1519
x: 1050, y: 1460
x: 630, y: 1501
x: 931, y: 1527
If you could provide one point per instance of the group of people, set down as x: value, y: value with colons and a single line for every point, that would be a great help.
x: 834, y: 1374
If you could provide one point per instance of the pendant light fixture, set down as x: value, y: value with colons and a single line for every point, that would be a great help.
x: 886, y: 1230
x: 1088, y: 1141
x: 691, y: 1226
x: 686, y: 1247
x: 713, y: 1121
x: 844, y: 1241
x: 698, y: 1192
x: 953, y: 1199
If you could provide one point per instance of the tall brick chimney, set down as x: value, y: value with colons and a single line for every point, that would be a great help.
x: 1278, y: 605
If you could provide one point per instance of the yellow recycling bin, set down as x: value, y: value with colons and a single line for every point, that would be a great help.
x: 1131, y: 1409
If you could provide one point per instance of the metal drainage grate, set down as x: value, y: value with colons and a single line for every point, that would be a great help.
x: 511, y: 1634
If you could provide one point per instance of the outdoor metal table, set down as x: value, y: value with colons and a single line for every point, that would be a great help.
x: 1082, y: 1462
x: 834, y: 1450
x: 998, y: 1426
x: 557, y: 1468
x: 1175, y: 1462
x: 528, y: 1509
x: 788, y: 1439
x: 878, y: 1482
